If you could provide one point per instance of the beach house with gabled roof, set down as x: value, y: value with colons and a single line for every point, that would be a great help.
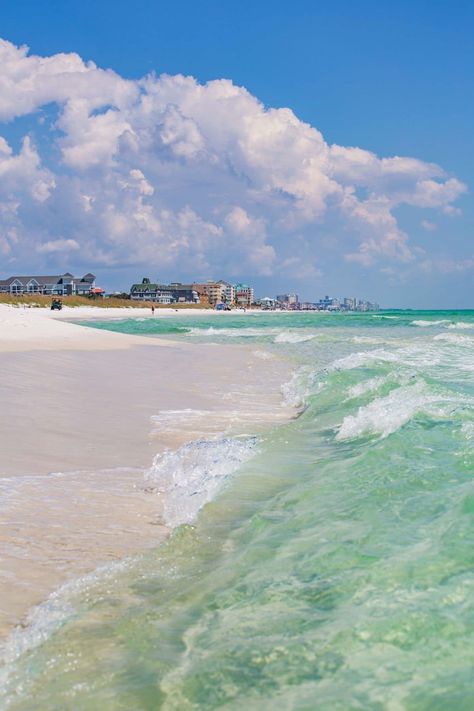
x: 56, y: 285
x: 164, y: 293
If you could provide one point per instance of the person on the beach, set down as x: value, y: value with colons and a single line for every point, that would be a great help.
x: 152, y: 310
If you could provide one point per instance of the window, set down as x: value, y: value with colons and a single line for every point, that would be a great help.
x: 16, y: 287
x: 32, y: 287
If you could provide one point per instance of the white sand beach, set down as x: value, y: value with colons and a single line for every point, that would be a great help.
x: 83, y: 413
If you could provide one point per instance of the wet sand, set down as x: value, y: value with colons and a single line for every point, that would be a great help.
x: 83, y: 413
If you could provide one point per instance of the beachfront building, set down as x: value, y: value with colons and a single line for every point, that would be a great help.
x: 58, y: 285
x: 268, y: 304
x: 148, y: 291
x: 244, y: 295
x: 184, y: 293
x: 350, y: 303
x: 329, y: 303
x: 229, y: 292
x: 288, y: 301
x: 214, y: 290
x: 174, y: 293
x: 367, y: 306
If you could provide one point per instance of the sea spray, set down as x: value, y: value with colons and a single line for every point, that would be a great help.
x: 191, y: 476
x: 303, y: 383
x: 385, y: 415
x: 294, y: 337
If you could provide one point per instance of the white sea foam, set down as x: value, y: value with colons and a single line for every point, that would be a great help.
x: 423, y: 356
x: 445, y: 323
x: 388, y: 414
x: 368, y: 339
x: 461, y: 325
x: 425, y: 324
x: 231, y: 332
x: 192, y: 475
x: 362, y: 358
x: 293, y: 337
x: 176, y: 418
x: 455, y: 338
x: 189, y: 478
x: 297, y: 390
x: 264, y: 355
x: 467, y: 430
x: 48, y: 617
x: 366, y: 386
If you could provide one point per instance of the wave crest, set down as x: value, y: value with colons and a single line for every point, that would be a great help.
x: 386, y: 415
x: 192, y: 475
x: 292, y: 337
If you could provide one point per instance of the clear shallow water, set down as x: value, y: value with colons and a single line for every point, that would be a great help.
x: 333, y: 567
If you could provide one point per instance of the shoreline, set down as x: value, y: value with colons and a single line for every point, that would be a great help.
x: 85, y: 412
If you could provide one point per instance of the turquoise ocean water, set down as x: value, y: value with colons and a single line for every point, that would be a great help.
x: 333, y: 568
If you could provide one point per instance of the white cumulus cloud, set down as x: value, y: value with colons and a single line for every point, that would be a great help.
x: 168, y: 171
x: 58, y: 245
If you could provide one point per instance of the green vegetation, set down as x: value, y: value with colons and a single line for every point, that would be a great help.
x: 39, y: 301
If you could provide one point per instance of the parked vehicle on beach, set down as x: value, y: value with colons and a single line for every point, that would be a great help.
x: 56, y: 305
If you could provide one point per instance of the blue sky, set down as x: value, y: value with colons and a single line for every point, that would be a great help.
x: 394, y: 79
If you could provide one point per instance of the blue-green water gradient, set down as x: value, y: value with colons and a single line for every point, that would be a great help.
x: 335, y: 568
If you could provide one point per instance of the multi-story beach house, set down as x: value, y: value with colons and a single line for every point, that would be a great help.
x: 58, y: 285
x: 149, y: 291
x: 164, y: 293
x: 214, y: 290
x: 244, y: 295
x: 229, y: 292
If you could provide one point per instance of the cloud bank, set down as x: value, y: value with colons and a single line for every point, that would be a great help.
x: 170, y: 173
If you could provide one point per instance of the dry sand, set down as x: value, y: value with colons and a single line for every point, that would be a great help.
x: 83, y: 412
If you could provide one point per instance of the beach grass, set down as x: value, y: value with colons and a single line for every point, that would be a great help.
x: 40, y: 301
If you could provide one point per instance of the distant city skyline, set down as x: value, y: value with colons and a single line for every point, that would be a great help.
x: 317, y: 149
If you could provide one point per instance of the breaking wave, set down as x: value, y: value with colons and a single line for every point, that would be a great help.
x: 386, y: 318
x: 421, y: 323
x: 386, y: 415
x: 461, y: 325
x: 301, y: 385
x: 192, y: 475
x: 292, y: 337
x: 363, y: 358
x: 455, y: 338
x: 48, y: 617
x: 230, y: 332
x: 443, y: 323
x: 366, y: 386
